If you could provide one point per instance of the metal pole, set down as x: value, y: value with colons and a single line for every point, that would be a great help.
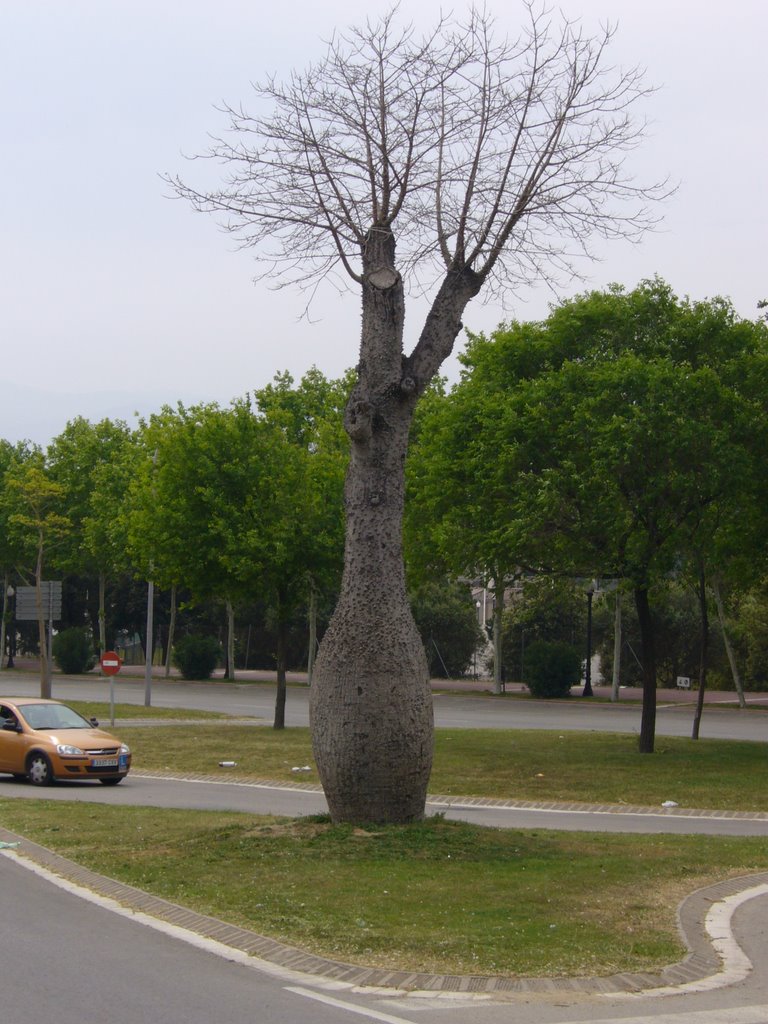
x: 49, y: 665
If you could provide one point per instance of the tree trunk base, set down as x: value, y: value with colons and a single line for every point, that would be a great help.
x: 372, y: 734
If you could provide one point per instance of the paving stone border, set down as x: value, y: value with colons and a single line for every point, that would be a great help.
x: 702, y: 961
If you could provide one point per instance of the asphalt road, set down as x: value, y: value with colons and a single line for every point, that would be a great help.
x: 76, y: 958
x: 75, y: 962
x: 143, y: 791
x: 457, y: 710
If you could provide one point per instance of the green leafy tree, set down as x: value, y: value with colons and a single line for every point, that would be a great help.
x: 32, y: 501
x: 547, y: 609
x: 88, y: 462
x: 11, y: 547
x: 613, y: 439
x: 224, y: 504
x: 311, y: 417
x: 447, y: 622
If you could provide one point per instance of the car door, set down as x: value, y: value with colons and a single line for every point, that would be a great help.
x: 11, y: 746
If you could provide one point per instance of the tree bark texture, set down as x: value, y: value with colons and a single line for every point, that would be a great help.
x: 727, y: 642
x: 102, y: 612
x: 703, y: 652
x: 616, y: 681
x: 312, y: 652
x: 370, y: 700
x: 171, y: 634
x: 281, y: 659
x: 648, y: 717
x: 229, y: 672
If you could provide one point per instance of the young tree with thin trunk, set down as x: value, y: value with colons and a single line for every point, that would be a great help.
x: 33, y: 502
x: 452, y: 164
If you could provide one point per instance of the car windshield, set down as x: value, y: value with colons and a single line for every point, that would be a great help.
x: 53, y: 716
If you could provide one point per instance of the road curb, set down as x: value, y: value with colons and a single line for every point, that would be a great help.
x: 444, y: 803
x: 702, y: 960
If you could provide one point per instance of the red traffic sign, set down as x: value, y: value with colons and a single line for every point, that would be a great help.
x: 110, y: 663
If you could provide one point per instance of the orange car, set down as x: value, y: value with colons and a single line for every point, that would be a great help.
x: 43, y: 740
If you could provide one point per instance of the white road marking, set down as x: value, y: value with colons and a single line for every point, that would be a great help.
x: 458, y: 805
x: 351, y: 1007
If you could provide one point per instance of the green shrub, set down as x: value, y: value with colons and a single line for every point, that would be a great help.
x: 197, y: 656
x: 551, y: 668
x: 73, y: 651
x: 446, y: 619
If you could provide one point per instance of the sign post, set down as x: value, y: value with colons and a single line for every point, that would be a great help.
x: 41, y: 603
x: 110, y: 665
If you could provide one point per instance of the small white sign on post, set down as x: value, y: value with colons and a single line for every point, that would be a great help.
x: 683, y: 682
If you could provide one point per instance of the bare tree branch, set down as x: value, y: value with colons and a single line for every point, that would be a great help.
x: 475, y: 152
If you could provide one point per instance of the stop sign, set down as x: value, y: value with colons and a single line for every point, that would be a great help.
x: 110, y: 663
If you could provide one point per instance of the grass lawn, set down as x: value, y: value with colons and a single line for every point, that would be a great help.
x: 441, y: 896
x: 100, y: 710
x: 521, y: 764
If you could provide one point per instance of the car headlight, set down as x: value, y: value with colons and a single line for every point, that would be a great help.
x: 67, y: 750
x: 124, y: 749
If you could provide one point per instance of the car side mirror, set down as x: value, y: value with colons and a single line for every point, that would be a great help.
x: 9, y: 725
x: 94, y: 722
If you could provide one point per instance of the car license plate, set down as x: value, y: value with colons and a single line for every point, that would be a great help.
x: 104, y: 762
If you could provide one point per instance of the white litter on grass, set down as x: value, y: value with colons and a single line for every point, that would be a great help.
x: 306, y: 768
x: 670, y: 803
x: 227, y: 764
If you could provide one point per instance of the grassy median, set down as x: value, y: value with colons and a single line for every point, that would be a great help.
x: 440, y: 895
x: 506, y: 764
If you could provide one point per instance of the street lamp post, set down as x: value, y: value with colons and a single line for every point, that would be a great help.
x: 588, y: 667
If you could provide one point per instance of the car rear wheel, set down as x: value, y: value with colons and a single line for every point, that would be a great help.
x: 112, y: 780
x: 39, y: 771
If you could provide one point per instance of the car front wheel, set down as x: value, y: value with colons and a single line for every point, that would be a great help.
x: 39, y: 771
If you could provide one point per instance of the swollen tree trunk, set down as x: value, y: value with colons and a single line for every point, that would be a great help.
x: 370, y: 700
x: 648, y: 718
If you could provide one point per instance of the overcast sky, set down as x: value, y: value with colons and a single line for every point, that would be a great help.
x: 115, y: 299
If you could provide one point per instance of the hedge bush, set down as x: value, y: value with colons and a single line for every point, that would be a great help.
x: 197, y: 656
x: 551, y: 668
x: 73, y: 651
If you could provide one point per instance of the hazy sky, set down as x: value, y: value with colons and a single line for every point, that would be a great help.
x: 115, y: 298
